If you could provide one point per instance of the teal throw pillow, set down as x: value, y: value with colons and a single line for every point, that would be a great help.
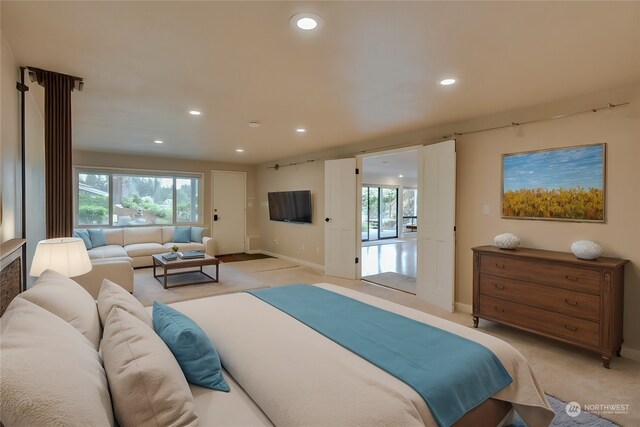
x: 191, y: 347
x: 84, y: 235
x: 182, y: 235
x: 97, y: 238
x: 196, y: 234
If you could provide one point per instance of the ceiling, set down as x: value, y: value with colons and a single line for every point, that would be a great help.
x: 372, y: 70
x: 392, y: 165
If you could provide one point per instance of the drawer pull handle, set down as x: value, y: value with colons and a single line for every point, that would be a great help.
x: 498, y: 265
x: 499, y: 309
x: 572, y: 278
x: 571, y: 328
x: 499, y: 286
x: 570, y: 303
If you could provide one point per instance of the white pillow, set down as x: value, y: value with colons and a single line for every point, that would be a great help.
x: 112, y: 295
x: 68, y: 300
x: 147, y: 384
x: 50, y: 374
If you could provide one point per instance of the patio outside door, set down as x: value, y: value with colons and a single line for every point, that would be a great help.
x: 379, y: 213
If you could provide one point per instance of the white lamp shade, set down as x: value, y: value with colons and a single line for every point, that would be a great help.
x: 67, y: 256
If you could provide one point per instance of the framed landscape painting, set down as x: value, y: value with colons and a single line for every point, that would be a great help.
x: 563, y: 184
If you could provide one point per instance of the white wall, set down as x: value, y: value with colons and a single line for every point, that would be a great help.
x: 9, y: 144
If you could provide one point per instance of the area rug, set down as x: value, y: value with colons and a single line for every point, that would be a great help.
x: 266, y: 264
x: 241, y: 257
x: 562, y: 419
x: 393, y: 280
x: 147, y: 289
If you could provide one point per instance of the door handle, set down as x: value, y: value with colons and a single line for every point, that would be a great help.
x: 569, y: 302
x: 215, y: 217
x: 572, y: 278
x: 328, y: 220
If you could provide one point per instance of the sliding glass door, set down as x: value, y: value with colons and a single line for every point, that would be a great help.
x: 379, y: 213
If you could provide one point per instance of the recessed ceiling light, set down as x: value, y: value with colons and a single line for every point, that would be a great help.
x: 195, y: 112
x: 399, y: 176
x: 447, y: 82
x: 254, y: 124
x: 301, y: 130
x: 239, y: 150
x: 157, y: 141
x: 306, y: 21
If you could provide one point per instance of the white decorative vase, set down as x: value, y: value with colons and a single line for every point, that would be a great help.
x: 507, y: 241
x: 586, y: 249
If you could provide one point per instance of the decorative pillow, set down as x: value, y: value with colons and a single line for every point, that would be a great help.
x: 182, y: 235
x: 97, y: 238
x: 113, y: 295
x: 196, y: 234
x: 84, y: 235
x: 147, y: 385
x: 68, y: 300
x: 191, y: 347
x: 50, y: 374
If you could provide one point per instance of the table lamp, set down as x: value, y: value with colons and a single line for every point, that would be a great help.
x: 67, y: 255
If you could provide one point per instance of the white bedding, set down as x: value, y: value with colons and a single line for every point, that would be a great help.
x: 298, y: 377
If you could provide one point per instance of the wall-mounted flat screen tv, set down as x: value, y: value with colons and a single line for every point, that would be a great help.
x: 290, y: 206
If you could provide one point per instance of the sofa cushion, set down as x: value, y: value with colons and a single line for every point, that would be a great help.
x: 144, y: 249
x: 134, y: 235
x: 68, y: 300
x: 114, y: 236
x: 197, y: 233
x: 50, y: 374
x: 191, y: 347
x: 167, y: 234
x: 96, y: 261
x: 109, y: 251
x: 113, y: 295
x: 84, y: 235
x: 185, y: 246
x: 182, y: 235
x: 97, y: 237
x: 147, y: 384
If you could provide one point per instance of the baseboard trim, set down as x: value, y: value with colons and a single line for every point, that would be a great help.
x: 462, y: 308
x: 288, y: 258
x: 631, y: 353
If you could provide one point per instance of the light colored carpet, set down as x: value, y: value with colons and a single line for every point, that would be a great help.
x: 259, y: 265
x: 394, y: 280
x: 147, y: 289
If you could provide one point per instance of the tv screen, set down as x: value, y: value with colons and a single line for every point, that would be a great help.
x: 290, y: 206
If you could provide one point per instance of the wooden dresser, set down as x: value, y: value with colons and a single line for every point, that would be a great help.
x: 553, y: 294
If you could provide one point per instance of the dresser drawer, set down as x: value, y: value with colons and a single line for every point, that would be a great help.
x: 565, y: 276
x: 554, y: 324
x: 563, y: 301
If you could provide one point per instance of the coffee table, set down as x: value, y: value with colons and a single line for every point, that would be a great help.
x: 180, y: 263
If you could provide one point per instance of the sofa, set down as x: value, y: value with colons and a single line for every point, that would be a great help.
x: 140, y: 243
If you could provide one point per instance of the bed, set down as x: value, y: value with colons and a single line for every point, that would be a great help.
x: 280, y: 371
x: 298, y: 377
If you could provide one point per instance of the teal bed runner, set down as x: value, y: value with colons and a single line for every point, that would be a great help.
x: 451, y: 373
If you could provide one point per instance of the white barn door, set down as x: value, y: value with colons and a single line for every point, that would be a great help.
x: 436, y: 224
x: 340, y: 198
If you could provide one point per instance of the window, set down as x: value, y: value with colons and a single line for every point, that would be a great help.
x: 119, y: 198
x: 409, y: 207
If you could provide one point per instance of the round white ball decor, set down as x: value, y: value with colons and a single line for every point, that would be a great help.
x: 586, y: 249
x: 507, y: 241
